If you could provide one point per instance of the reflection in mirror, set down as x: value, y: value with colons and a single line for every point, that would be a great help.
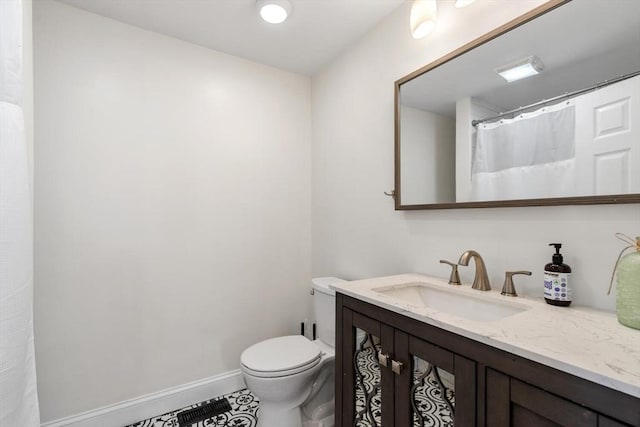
x: 368, y: 386
x: 464, y: 134
x: 432, y: 395
x: 428, y: 153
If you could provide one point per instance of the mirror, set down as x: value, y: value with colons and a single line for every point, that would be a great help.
x: 568, y: 135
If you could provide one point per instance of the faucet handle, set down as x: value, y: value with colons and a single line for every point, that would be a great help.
x: 454, y: 278
x: 508, y: 288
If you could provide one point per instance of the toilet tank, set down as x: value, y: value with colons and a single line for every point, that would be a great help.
x: 324, y: 308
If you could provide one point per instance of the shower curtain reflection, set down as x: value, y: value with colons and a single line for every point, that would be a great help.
x: 18, y: 395
x: 531, y: 156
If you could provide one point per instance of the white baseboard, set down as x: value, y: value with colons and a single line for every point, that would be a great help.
x: 158, y: 403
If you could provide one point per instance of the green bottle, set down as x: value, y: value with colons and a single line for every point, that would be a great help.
x: 628, y: 288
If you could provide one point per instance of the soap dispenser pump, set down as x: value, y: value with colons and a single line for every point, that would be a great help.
x: 557, y: 280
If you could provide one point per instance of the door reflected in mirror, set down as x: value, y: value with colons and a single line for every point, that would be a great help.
x: 566, y: 134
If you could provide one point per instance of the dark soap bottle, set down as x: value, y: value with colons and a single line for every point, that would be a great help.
x: 557, y: 280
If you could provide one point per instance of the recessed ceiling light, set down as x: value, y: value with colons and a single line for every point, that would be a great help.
x: 463, y: 3
x: 520, y: 69
x: 274, y: 11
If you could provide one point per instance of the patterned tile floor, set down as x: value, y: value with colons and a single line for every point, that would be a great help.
x: 428, y: 401
x: 244, y: 410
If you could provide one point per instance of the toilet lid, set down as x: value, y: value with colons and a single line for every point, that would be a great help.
x: 281, y: 354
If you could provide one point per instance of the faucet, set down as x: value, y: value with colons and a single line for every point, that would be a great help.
x: 507, y: 288
x: 454, y: 277
x: 481, y: 280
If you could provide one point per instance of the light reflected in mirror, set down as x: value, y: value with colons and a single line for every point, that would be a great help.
x: 570, y: 136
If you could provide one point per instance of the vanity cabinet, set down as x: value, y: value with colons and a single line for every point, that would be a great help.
x: 392, y: 370
x: 393, y: 378
x: 513, y: 403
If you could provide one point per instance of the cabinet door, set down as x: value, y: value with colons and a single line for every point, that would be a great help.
x: 434, y: 387
x: 513, y: 403
x: 608, y: 422
x: 367, y: 390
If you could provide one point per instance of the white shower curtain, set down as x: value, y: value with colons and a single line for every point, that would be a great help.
x: 527, y: 157
x: 18, y: 395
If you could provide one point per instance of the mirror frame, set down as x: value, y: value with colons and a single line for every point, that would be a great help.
x: 555, y: 201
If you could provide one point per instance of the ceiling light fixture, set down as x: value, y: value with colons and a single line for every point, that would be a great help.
x: 463, y: 3
x: 274, y: 11
x: 520, y: 69
x: 423, y: 17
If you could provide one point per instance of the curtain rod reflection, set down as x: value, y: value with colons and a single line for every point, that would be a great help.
x: 567, y: 95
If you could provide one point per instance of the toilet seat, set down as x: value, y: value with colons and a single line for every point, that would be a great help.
x: 281, y: 356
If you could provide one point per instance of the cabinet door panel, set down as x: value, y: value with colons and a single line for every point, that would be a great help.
x: 513, y: 403
x: 436, y: 355
x: 498, y: 399
x: 608, y: 422
x: 432, y: 377
x: 433, y: 385
x: 433, y: 397
x: 372, y: 406
x: 550, y: 406
x: 523, y: 417
x: 466, y: 391
x: 368, y: 384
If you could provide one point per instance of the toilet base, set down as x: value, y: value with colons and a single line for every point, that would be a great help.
x: 323, y: 415
x: 291, y: 418
x: 278, y: 416
x: 329, y: 421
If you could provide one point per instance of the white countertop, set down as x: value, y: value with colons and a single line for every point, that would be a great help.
x: 585, y: 342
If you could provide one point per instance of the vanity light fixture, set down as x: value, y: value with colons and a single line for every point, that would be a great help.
x: 463, y: 3
x: 423, y: 17
x: 520, y: 69
x: 274, y: 11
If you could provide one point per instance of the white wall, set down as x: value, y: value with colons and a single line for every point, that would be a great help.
x: 356, y: 232
x: 172, y: 202
x: 428, y: 149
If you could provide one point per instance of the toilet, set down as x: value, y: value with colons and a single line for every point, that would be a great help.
x: 292, y: 376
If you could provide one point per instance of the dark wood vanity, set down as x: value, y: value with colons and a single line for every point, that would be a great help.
x: 468, y: 383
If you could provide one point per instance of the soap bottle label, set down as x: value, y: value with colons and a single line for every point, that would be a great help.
x: 557, y: 286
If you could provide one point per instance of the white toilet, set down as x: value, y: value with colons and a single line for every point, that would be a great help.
x: 292, y: 376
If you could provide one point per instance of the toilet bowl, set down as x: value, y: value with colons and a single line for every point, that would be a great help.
x: 285, y: 373
x: 292, y: 376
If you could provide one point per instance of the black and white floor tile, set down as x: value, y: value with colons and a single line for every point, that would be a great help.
x: 244, y: 405
x: 244, y: 413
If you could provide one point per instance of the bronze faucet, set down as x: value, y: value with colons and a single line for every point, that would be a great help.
x: 481, y: 280
x: 507, y: 288
x: 454, y: 278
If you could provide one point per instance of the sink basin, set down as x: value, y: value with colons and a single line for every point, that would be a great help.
x: 459, y: 302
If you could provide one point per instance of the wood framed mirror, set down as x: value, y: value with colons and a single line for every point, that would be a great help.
x: 568, y: 135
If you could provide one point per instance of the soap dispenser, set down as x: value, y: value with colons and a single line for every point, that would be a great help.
x: 557, y: 280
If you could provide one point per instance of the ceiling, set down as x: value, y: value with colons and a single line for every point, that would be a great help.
x: 316, y: 32
x: 580, y: 45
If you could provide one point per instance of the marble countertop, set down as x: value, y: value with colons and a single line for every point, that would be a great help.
x: 585, y: 342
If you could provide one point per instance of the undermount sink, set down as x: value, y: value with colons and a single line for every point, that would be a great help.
x: 482, y: 308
